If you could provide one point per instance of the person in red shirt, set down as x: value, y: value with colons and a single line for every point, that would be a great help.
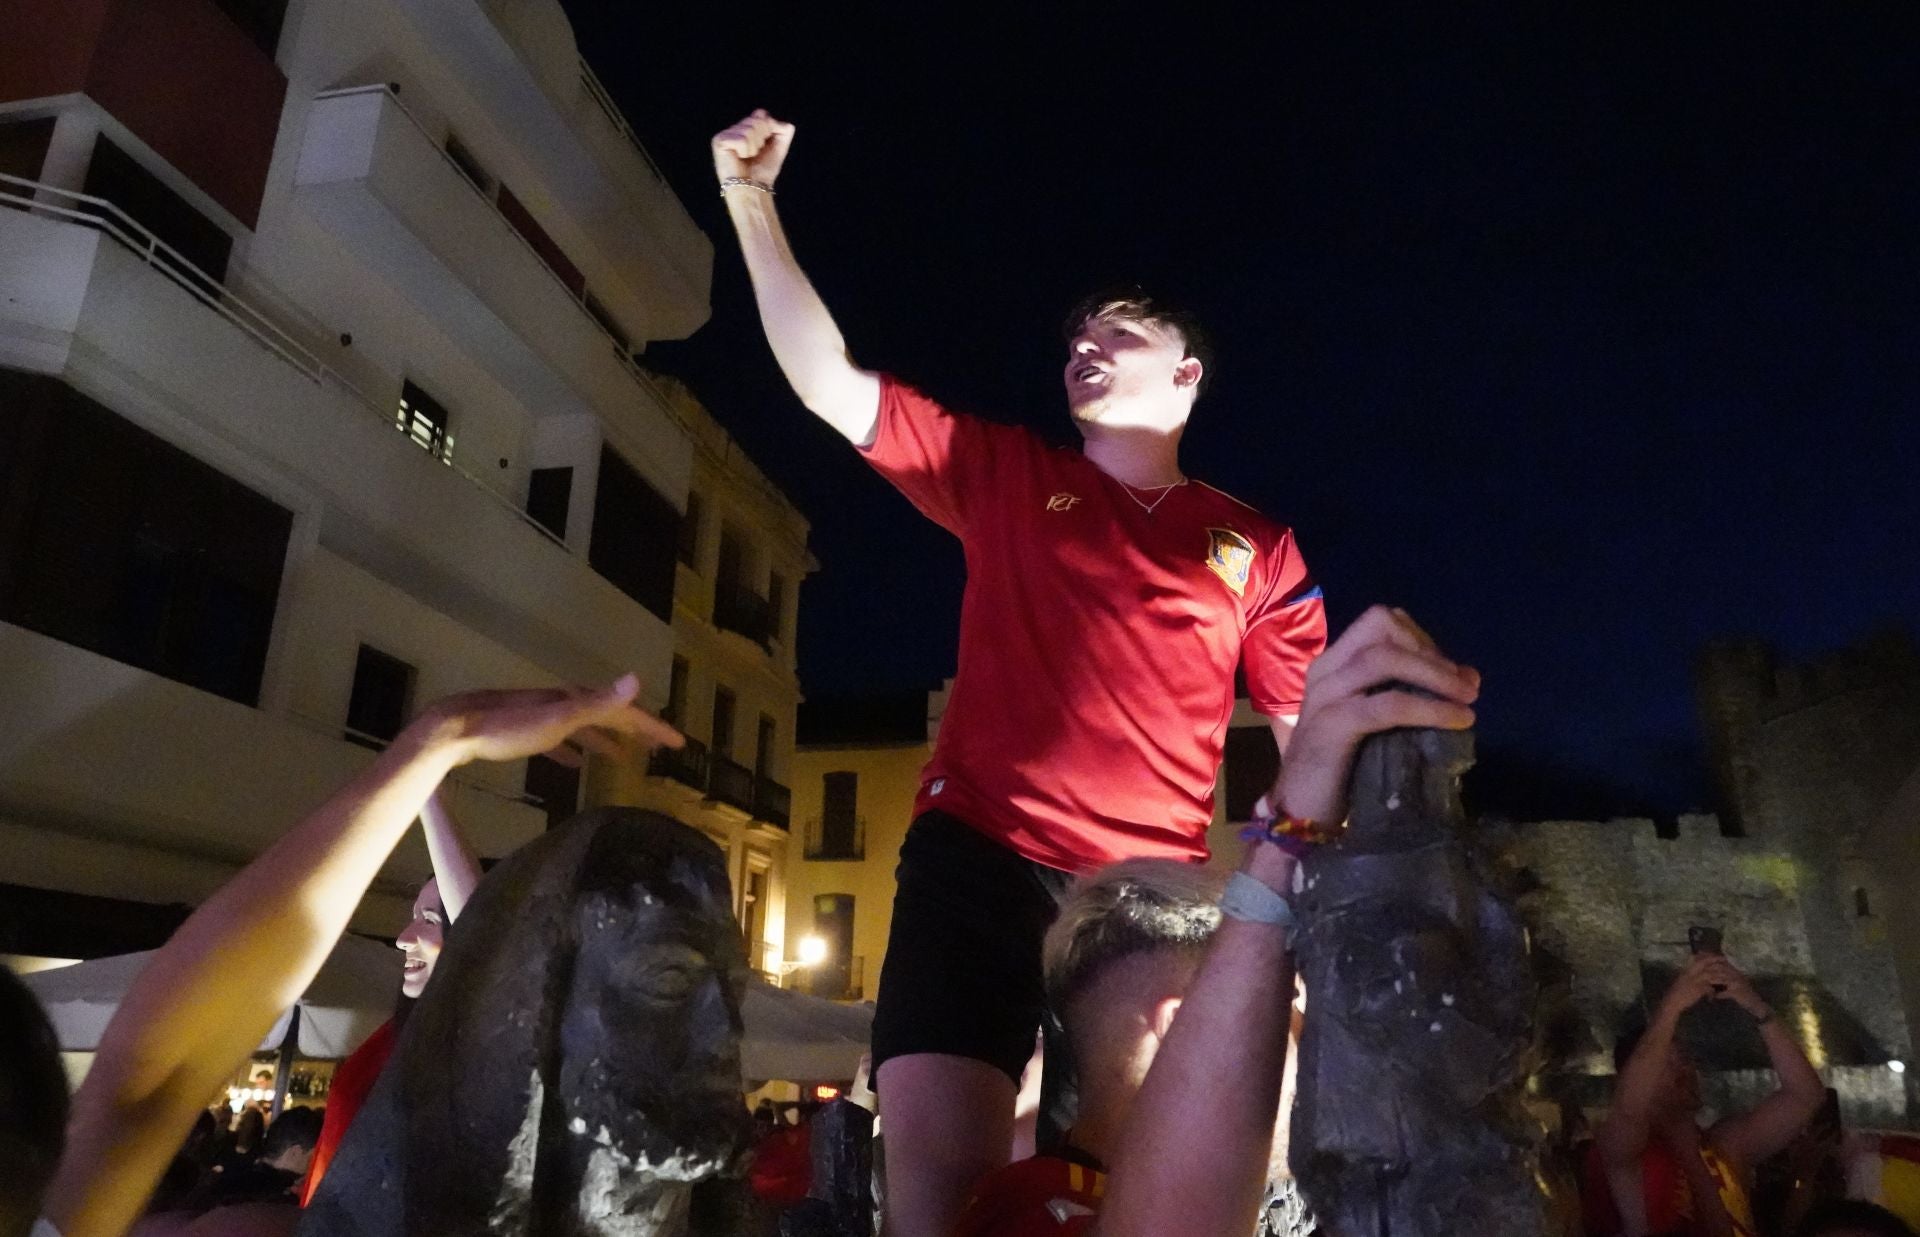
x: 1109, y: 599
x: 1176, y: 986
x: 1651, y: 1169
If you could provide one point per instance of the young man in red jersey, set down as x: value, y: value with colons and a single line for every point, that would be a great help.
x: 1108, y: 603
x: 1176, y: 988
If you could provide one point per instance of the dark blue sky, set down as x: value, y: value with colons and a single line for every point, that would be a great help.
x: 1587, y: 337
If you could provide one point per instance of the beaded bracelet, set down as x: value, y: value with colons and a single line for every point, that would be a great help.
x: 734, y: 182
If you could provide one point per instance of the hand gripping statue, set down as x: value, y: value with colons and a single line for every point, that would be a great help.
x: 1420, y: 1000
x: 574, y: 1068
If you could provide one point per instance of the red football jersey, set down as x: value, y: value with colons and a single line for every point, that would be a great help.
x: 1098, y: 641
x: 1038, y: 1197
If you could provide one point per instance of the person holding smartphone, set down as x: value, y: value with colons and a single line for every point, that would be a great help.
x: 1652, y: 1169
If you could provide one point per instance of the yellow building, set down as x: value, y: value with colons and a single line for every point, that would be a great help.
x: 856, y: 772
x: 733, y: 687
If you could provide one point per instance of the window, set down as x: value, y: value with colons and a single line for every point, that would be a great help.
x: 182, y: 564
x: 260, y: 19
x: 837, y: 834
x: 777, y: 605
x: 113, y: 174
x: 833, y: 922
x: 690, y: 532
x: 23, y: 148
x: 733, y: 559
x: 556, y: 786
x: 599, y: 314
x: 763, y: 752
x: 736, y: 607
x: 722, y: 722
x: 424, y: 419
x: 469, y: 166
x: 677, y: 693
x: 548, y: 492
x: 536, y: 236
x: 1252, y: 762
x: 635, y: 530
x: 382, y: 697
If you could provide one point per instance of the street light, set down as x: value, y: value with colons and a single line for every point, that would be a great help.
x: 812, y: 952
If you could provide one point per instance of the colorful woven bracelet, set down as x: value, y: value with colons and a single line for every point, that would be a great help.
x: 1295, y: 835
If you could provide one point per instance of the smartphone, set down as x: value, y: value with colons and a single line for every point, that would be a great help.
x: 1704, y: 940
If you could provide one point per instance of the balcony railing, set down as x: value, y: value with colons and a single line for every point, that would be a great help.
x: 764, y: 957
x: 103, y: 216
x: 844, y: 839
x: 738, y: 608
x: 730, y: 782
x: 772, y: 803
x: 687, y: 765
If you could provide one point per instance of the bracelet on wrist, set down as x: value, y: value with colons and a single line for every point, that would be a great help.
x: 1251, y: 900
x: 743, y: 182
x: 1296, y: 835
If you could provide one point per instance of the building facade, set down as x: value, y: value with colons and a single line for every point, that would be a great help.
x: 856, y: 774
x: 320, y: 398
x: 733, y: 685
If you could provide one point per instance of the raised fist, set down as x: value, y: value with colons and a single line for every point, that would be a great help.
x: 755, y: 148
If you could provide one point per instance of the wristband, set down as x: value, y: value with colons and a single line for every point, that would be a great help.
x: 735, y: 182
x: 1252, y: 901
x: 1296, y: 835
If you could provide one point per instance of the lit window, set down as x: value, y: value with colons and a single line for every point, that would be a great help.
x: 424, y: 419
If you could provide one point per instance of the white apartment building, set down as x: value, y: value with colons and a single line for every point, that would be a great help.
x: 318, y: 400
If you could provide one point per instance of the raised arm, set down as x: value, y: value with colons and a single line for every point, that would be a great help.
x: 1639, y: 1089
x: 214, y: 989
x: 1772, y: 1124
x: 806, y: 342
x: 455, y: 869
x: 1193, y: 1156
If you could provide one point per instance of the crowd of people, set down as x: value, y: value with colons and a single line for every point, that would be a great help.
x: 1049, y: 886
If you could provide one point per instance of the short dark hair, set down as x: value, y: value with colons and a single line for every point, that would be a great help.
x: 1851, y: 1213
x: 294, y: 1127
x: 33, y: 1105
x: 1133, y: 303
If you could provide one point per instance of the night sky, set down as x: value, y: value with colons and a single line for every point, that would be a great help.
x: 1587, y: 337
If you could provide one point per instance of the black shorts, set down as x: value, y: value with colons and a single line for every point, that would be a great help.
x: 962, y: 972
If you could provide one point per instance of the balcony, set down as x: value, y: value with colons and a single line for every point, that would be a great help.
x: 772, y: 803
x: 519, y: 60
x: 737, y: 608
x: 380, y: 182
x: 179, y: 74
x: 731, y: 783
x: 686, y: 765
x: 86, y: 294
x: 89, y: 800
x: 843, y: 838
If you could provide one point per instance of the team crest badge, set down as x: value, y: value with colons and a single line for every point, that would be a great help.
x: 1230, y: 556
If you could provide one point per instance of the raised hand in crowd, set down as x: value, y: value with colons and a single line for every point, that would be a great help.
x: 213, y: 991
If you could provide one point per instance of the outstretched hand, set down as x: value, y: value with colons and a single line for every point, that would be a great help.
x: 755, y: 148
x: 1345, y: 703
x: 507, y: 725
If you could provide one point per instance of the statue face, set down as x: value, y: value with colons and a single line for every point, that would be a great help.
x: 650, y: 1064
